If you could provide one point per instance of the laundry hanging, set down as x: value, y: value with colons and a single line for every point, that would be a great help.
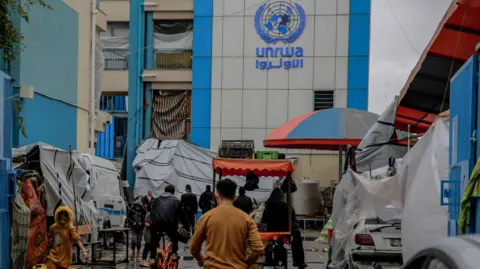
x: 169, y: 116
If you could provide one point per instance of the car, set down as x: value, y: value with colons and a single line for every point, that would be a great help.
x: 462, y: 252
x: 378, y: 242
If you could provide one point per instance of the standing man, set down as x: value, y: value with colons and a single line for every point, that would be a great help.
x: 190, y: 205
x: 226, y: 230
x: 165, y: 214
x: 206, y: 200
x: 243, y: 202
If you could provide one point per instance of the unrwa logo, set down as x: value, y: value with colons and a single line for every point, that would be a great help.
x: 280, y: 21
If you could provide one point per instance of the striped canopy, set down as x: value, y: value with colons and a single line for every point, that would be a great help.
x: 324, y: 129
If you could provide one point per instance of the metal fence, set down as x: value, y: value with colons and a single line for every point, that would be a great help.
x: 176, y: 60
x: 116, y: 59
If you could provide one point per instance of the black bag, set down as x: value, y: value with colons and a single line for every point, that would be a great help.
x: 284, y: 186
x: 183, y: 235
x: 251, y: 182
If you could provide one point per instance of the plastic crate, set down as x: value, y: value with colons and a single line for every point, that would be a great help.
x: 267, y: 155
x: 238, y: 144
x: 235, y: 153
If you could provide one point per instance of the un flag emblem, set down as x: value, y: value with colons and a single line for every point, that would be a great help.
x: 280, y: 21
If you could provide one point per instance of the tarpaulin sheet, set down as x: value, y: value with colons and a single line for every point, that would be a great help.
x: 178, y: 163
x: 62, y: 172
x: 415, y: 188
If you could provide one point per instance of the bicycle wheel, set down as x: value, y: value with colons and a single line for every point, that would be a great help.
x: 173, y: 261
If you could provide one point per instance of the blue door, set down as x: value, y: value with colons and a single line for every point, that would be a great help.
x: 4, y: 214
x: 6, y: 112
x: 463, y: 121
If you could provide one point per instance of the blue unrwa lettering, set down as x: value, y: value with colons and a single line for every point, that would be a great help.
x: 279, y: 52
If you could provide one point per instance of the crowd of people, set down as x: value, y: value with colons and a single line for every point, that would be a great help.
x: 226, y: 238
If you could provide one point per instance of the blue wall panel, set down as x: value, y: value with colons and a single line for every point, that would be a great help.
x: 49, y: 63
x: 202, y: 72
x: 360, y: 6
x: 358, y: 54
x: 49, y: 121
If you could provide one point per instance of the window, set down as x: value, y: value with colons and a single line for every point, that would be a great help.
x: 323, y: 100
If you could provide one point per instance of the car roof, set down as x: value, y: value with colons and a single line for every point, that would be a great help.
x: 463, y: 250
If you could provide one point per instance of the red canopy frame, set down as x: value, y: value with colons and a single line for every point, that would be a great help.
x: 261, y: 168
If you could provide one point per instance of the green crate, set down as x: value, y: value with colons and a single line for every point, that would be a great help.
x: 266, y: 155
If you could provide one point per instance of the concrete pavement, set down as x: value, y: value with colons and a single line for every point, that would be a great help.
x: 314, y: 255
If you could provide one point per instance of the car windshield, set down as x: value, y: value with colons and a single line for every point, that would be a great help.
x: 387, y: 215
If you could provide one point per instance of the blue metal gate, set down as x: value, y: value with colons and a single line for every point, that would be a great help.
x: 4, y: 214
x: 463, y: 136
x: 6, y: 118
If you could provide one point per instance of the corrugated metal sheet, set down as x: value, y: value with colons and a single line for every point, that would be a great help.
x: 115, y: 133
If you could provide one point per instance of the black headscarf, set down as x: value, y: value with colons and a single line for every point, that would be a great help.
x: 276, y: 196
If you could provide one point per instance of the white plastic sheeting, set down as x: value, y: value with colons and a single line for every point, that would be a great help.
x: 62, y: 173
x: 178, y: 163
x: 415, y: 188
x: 375, y: 148
x: 162, y: 42
x: 424, y: 219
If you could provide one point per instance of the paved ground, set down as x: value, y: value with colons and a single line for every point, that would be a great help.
x: 314, y: 255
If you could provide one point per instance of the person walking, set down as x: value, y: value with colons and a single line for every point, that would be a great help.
x: 226, y: 231
x: 61, y: 236
x: 190, y: 205
x: 166, y: 212
x: 275, y: 217
x: 136, y: 218
x: 147, y: 236
x: 243, y: 202
x: 206, y: 200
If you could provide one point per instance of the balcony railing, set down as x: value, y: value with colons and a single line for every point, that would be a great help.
x: 116, y: 59
x: 176, y: 60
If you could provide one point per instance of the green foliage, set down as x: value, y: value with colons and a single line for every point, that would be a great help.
x: 18, y: 118
x: 10, y: 36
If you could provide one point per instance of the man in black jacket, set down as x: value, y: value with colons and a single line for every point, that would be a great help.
x: 190, y: 205
x: 243, y: 202
x: 166, y: 212
x: 206, y: 200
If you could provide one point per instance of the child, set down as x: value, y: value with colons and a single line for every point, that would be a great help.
x: 148, y: 237
x: 62, y: 236
x: 136, y: 217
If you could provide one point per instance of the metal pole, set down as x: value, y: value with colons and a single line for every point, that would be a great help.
x: 289, y: 201
x: 408, y: 137
x: 74, y: 196
x: 340, y: 163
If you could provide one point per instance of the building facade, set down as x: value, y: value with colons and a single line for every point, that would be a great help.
x: 256, y: 75
x: 255, y: 64
x: 56, y: 64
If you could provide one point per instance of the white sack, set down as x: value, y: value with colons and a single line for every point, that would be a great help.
x: 178, y: 163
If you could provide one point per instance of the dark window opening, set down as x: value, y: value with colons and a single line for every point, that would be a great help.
x: 323, y: 100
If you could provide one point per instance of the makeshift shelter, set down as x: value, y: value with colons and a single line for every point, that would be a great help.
x: 65, y: 180
x: 178, y: 163
x: 416, y: 182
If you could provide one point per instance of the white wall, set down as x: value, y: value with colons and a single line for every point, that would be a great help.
x: 248, y: 103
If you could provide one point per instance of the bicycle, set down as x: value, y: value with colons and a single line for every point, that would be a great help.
x: 166, y: 259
